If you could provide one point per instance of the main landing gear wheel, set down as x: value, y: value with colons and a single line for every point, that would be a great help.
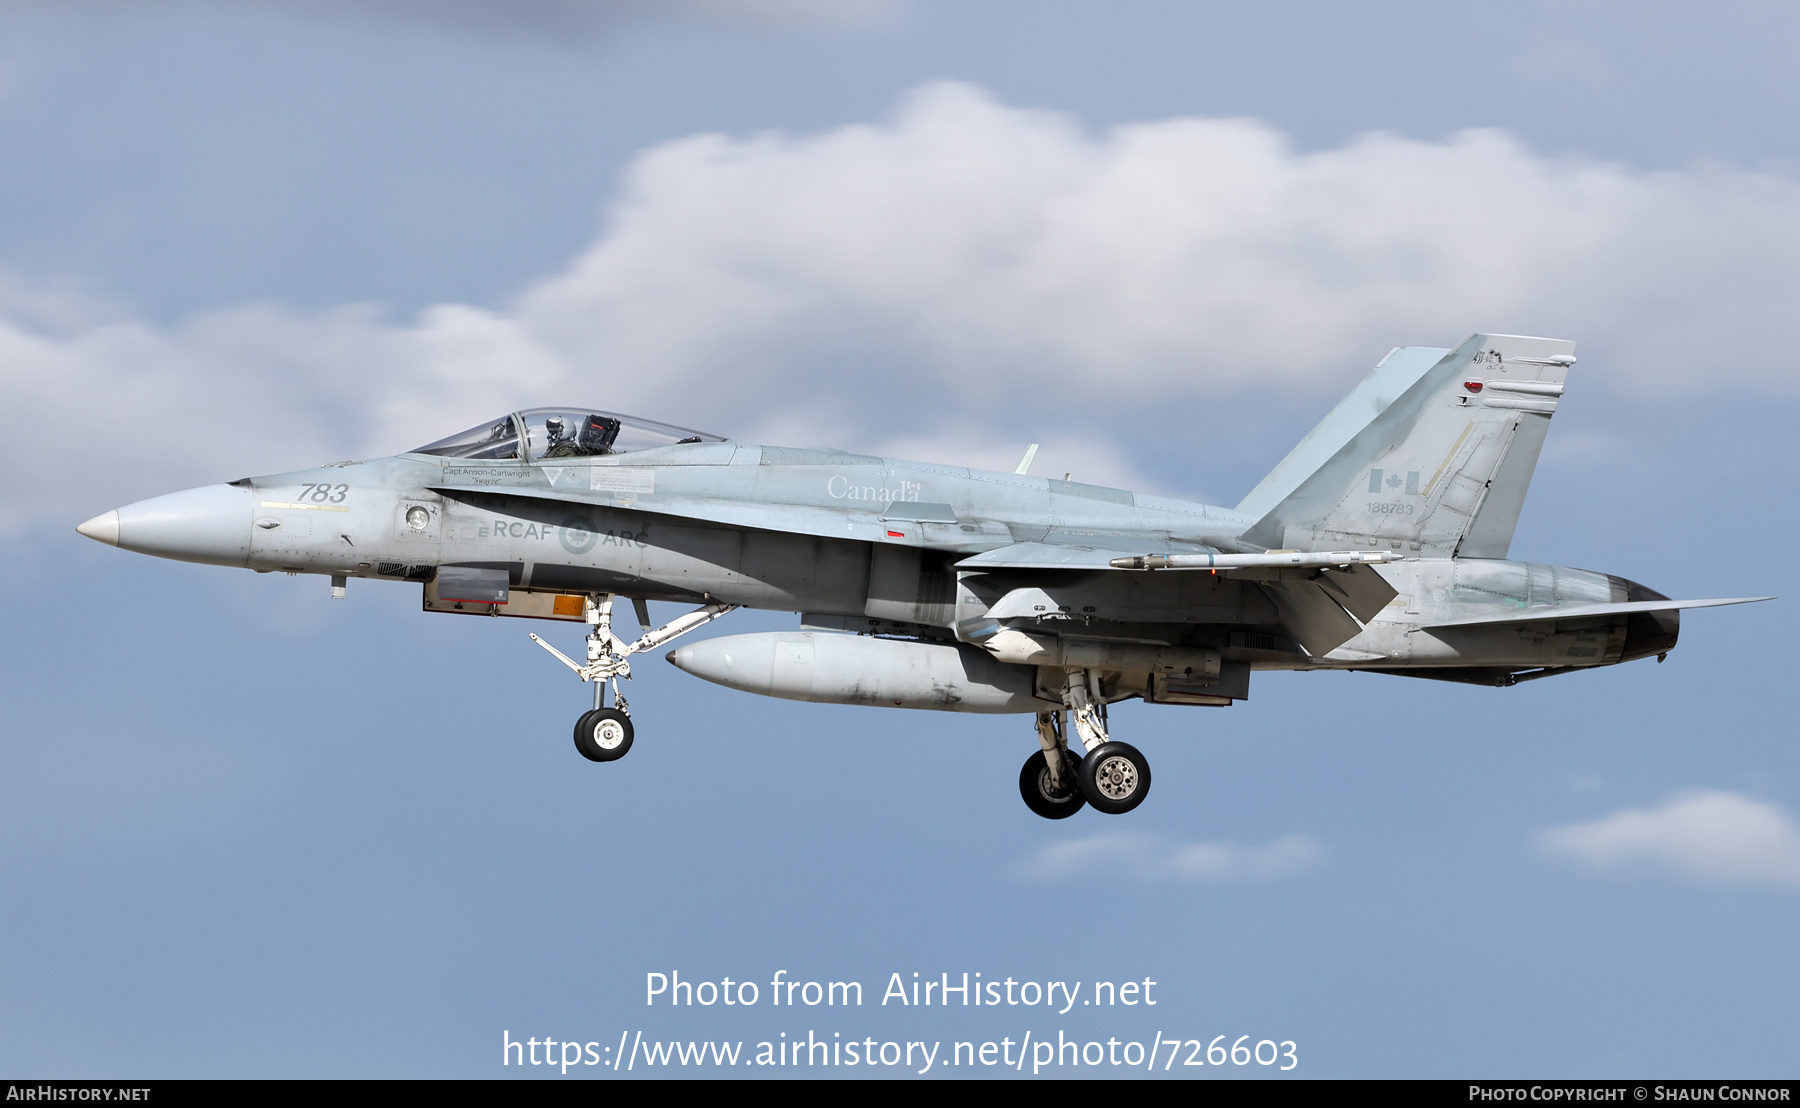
x: 1115, y: 778
x: 1042, y: 797
x: 603, y: 735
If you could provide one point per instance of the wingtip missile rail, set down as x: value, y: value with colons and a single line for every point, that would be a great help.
x: 1279, y: 559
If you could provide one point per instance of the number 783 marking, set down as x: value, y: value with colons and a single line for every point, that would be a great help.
x: 324, y: 494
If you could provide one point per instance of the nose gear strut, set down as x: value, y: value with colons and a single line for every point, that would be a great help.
x: 605, y: 734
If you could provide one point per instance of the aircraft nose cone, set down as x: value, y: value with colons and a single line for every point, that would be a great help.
x: 102, y: 528
x: 209, y: 524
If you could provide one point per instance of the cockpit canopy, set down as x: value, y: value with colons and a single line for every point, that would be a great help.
x: 561, y: 433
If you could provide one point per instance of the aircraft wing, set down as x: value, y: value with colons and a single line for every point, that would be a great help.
x: 1322, y: 608
x: 1585, y: 611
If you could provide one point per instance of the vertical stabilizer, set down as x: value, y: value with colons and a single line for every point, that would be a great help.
x: 1393, y: 375
x: 1440, y: 471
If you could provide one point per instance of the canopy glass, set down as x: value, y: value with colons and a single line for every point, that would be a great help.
x: 552, y: 433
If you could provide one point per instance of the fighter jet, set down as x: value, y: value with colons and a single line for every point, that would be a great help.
x: 1378, y: 544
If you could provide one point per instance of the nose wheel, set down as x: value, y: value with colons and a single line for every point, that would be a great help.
x: 603, y: 735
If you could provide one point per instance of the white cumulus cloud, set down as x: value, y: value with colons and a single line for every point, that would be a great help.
x: 957, y: 279
x: 1719, y: 837
x: 1126, y: 855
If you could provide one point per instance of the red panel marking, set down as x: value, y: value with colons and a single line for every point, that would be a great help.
x: 1472, y: 386
x: 896, y: 534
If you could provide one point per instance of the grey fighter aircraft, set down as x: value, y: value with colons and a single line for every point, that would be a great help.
x: 1378, y: 544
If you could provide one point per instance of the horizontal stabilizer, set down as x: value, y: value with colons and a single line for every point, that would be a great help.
x: 1590, y: 611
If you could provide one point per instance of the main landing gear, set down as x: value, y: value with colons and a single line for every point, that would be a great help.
x: 1051, y: 779
x: 1056, y: 783
x: 604, y: 734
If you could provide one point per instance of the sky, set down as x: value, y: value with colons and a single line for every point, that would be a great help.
x: 249, y: 831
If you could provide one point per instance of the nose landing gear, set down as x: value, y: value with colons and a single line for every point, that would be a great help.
x: 604, y: 734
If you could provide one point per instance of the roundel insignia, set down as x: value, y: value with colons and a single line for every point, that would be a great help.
x: 578, y: 535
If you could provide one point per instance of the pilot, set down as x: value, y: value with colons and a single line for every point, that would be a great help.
x: 555, y: 444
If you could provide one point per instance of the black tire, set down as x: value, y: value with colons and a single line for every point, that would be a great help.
x: 1115, y: 778
x: 603, y: 735
x: 1034, y: 786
